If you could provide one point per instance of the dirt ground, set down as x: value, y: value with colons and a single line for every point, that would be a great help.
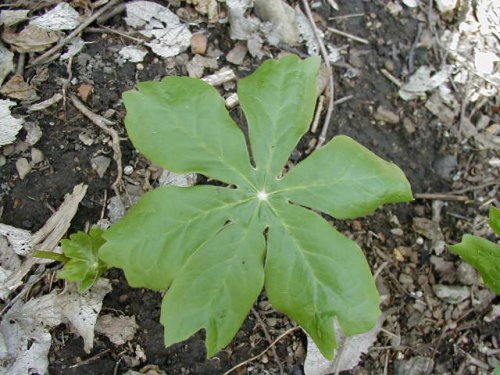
x: 422, y: 333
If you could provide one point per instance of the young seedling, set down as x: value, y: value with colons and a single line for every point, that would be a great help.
x: 81, y: 263
x: 214, y: 248
x: 482, y: 254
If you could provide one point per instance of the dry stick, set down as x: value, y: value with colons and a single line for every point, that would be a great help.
x: 93, y: 358
x: 324, y: 54
x: 391, y: 78
x: 286, y: 333
x: 41, y: 59
x: 346, y: 16
x: 108, y: 30
x: 268, y: 338
x: 103, y: 123
x: 478, y: 187
x: 441, y: 196
x: 319, y: 109
x: 348, y: 36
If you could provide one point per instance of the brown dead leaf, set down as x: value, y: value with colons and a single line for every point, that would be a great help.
x: 84, y: 91
x: 30, y: 39
x: 17, y: 88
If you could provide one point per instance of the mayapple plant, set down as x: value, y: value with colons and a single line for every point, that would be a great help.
x: 214, y: 248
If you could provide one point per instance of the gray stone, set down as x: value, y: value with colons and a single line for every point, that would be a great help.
x: 386, y: 115
x: 100, y: 164
x: 23, y: 167
x: 414, y: 366
x: 467, y: 274
x: 37, y: 156
x: 452, y: 294
x: 445, y: 165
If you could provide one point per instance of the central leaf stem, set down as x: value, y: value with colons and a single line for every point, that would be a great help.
x: 262, y: 195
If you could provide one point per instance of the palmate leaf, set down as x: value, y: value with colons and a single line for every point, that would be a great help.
x: 214, y: 248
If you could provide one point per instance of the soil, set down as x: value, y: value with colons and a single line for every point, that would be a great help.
x: 407, y: 255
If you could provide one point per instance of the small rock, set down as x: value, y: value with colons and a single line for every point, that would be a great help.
x: 445, y: 165
x: 409, y: 126
x: 453, y: 294
x: 445, y: 6
x: 23, y: 167
x: 128, y: 169
x: 385, y: 115
x: 445, y: 269
x: 100, y: 164
x: 237, y: 54
x: 405, y: 279
x: 3, y: 160
x: 199, y: 44
x: 414, y: 366
x: 483, y: 298
x: 37, y: 156
x: 86, y: 139
x: 467, y: 274
x: 8, y: 150
x: 427, y: 228
x: 397, y: 232
x: 84, y: 91
x: 389, y: 65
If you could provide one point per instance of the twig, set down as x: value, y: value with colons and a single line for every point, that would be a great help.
x: 286, y: 333
x: 41, y: 59
x: 411, y: 66
x: 391, y: 78
x: 268, y: 338
x: 104, y: 124
x: 348, y: 36
x: 324, y: 54
x: 343, y: 100
x: 93, y: 358
x: 441, y: 196
x: 108, y: 30
x: 346, y: 16
x: 319, y: 108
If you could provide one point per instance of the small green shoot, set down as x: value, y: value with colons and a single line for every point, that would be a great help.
x: 80, y: 258
x: 214, y: 248
x: 482, y: 254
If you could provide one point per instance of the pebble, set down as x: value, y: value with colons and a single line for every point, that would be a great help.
x: 452, y: 294
x: 128, y: 169
x: 386, y: 115
x: 415, y: 366
x: 467, y: 274
x: 37, y: 156
x: 199, y: 44
x: 100, y: 164
x: 23, y: 167
x: 409, y: 126
x: 397, y: 232
x: 445, y: 165
x: 3, y: 160
x: 237, y: 54
x: 8, y: 150
x: 419, y: 241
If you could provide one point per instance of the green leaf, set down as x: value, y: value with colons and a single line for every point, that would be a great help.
x: 216, y: 287
x: 163, y: 229
x: 482, y: 255
x: 314, y: 274
x: 278, y: 101
x: 182, y: 124
x: 83, y: 265
x: 208, y: 244
x: 345, y: 180
x: 497, y: 371
x: 495, y: 220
